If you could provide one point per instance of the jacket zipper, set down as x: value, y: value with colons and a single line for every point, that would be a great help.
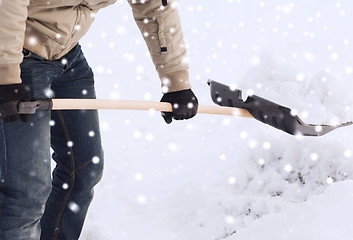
x: 160, y: 31
x: 161, y: 36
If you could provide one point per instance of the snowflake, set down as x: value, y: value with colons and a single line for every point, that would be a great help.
x: 147, y: 96
x: 51, y: 123
x: 32, y: 41
x: 141, y: 199
x: 223, y: 157
x: 120, y: 30
x: 172, y: 147
x: 48, y: 93
x: 100, y: 69
x: 329, y: 180
x: 232, y: 180
x: 137, y: 134
x: 347, y: 153
x: 314, y: 156
x: 190, y: 105
x: 300, y: 77
x: 288, y: 168
x: 252, y: 143
x: 149, y: 137
x: 266, y: 145
x: 74, y: 207
x: 229, y: 220
x: 226, y: 121
x: 138, y: 176
x: 255, y: 61
x: 140, y: 69
x: 349, y: 70
x: 95, y: 160
x: 334, y: 56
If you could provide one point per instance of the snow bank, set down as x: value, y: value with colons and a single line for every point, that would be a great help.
x: 327, y: 216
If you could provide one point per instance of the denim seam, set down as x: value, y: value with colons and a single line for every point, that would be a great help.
x: 64, y: 168
x: 5, y: 153
x: 76, y: 169
x: 72, y: 180
x: 67, y: 170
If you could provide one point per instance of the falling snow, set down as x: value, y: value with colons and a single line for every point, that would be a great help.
x: 32, y: 41
x: 138, y: 176
x: 95, y: 160
x: 217, y: 177
x: 74, y: 207
x: 51, y: 123
x: 64, y: 61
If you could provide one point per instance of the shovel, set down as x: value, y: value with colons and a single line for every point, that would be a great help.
x: 230, y: 101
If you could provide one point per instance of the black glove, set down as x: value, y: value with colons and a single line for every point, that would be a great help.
x: 10, y: 96
x: 184, y: 105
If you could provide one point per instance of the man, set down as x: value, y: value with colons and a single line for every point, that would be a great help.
x: 40, y: 58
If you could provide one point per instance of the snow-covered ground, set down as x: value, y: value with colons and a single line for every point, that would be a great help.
x: 216, y: 177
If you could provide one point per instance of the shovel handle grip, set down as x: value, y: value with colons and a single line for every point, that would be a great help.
x: 18, y: 107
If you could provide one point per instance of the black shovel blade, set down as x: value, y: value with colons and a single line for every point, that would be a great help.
x: 266, y: 111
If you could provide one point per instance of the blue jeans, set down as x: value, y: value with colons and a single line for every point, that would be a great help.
x: 34, y: 205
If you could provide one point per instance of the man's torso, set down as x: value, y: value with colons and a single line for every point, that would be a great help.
x: 54, y: 27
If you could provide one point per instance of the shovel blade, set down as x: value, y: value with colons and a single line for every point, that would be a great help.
x: 268, y: 112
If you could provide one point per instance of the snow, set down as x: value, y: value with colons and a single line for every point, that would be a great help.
x: 217, y: 177
x: 314, y: 219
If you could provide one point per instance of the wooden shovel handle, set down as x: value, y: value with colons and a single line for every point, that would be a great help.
x: 71, y: 104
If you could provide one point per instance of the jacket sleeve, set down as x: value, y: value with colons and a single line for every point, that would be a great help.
x: 161, y: 28
x: 13, y: 15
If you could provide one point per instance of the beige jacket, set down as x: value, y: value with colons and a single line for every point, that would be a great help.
x: 51, y: 28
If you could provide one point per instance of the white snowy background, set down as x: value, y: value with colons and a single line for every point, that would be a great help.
x: 217, y: 177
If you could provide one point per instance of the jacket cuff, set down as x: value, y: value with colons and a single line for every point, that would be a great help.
x: 10, y: 74
x: 175, y: 81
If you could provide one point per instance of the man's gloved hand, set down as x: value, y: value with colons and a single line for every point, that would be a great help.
x: 184, y: 105
x: 10, y: 95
